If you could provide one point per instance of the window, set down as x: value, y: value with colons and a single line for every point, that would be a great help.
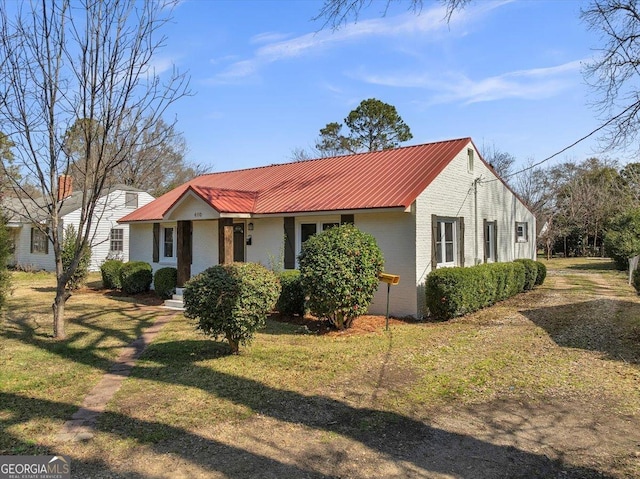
x: 490, y: 241
x: 522, y: 232
x: 39, y: 242
x: 446, y: 243
x: 307, y: 230
x: 116, y: 240
x: 131, y: 200
x: 168, y: 242
x: 326, y: 226
x: 470, y: 160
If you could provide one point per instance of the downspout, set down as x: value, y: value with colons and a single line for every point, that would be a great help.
x: 475, y: 222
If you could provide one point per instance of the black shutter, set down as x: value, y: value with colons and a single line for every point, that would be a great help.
x: 32, y: 228
x: 156, y: 242
x: 461, y: 241
x: 46, y: 241
x: 495, y: 241
x: 484, y: 239
x: 347, y: 220
x: 434, y: 235
x: 289, y: 242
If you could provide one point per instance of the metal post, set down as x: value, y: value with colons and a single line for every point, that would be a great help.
x: 388, y: 291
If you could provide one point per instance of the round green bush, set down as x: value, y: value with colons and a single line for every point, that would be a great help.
x: 339, y: 273
x: 530, y: 273
x: 635, y: 279
x: 136, y: 277
x: 291, y: 300
x: 542, y: 273
x: 165, y: 281
x: 231, y: 300
x: 110, y: 271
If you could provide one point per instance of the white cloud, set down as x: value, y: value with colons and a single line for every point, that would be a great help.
x: 429, y: 21
x: 456, y: 87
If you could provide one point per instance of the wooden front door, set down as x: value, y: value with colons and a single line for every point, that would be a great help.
x: 184, y: 251
x: 238, y: 242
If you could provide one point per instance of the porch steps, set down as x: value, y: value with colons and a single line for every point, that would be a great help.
x: 175, y: 302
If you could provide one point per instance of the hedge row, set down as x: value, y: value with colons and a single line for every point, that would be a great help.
x: 452, y: 292
x: 132, y: 277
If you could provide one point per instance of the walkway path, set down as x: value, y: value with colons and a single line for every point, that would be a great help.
x: 81, y: 427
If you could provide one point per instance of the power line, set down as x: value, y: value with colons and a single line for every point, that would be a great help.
x: 591, y: 133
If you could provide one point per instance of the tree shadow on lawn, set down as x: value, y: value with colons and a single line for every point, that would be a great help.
x: 596, y: 264
x: 200, y: 451
x: 402, y: 440
x: 19, y: 325
x: 396, y: 437
x: 606, y: 325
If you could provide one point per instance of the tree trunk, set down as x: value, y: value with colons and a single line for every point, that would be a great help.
x: 234, y: 343
x: 59, y: 331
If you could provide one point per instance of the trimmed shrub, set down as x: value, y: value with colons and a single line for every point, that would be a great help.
x: 79, y: 276
x: 291, y: 300
x: 635, y: 280
x: 452, y: 292
x: 542, y: 273
x: 231, y: 300
x: 339, y: 273
x: 110, y: 271
x: 136, y: 277
x: 530, y: 273
x: 622, y: 238
x: 165, y: 281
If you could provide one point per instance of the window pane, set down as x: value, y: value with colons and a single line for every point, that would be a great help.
x: 448, y: 231
x: 131, y: 200
x: 439, y: 252
x: 168, y: 242
x: 449, y: 251
x: 306, y: 231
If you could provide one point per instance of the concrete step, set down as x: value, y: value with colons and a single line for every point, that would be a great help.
x: 174, y: 304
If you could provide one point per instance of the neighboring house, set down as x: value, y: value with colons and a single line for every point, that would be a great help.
x: 428, y: 206
x: 31, y: 248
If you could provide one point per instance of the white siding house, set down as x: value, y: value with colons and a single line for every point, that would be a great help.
x: 428, y: 206
x: 32, y: 250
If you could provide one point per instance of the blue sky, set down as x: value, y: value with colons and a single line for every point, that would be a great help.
x: 266, y: 77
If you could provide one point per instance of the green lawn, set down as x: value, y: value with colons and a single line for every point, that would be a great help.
x: 576, y: 338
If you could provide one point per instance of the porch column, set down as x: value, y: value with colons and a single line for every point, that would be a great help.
x: 225, y: 240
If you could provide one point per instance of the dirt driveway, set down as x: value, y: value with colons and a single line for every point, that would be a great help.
x: 580, y: 418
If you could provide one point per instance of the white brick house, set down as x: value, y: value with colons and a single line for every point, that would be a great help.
x: 428, y: 206
x: 31, y: 248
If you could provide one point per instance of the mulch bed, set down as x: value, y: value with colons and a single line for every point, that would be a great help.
x: 361, y: 325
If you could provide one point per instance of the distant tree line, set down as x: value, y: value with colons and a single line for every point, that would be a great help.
x: 577, y: 203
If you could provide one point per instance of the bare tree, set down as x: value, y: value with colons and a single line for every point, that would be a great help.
x: 337, y: 13
x: 501, y: 161
x: 614, y: 74
x: 156, y: 164
x: 63, y: 61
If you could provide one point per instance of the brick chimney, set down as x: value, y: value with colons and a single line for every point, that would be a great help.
x: 65, y: 187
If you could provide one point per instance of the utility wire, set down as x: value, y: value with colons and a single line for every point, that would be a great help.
x: 593, y: 132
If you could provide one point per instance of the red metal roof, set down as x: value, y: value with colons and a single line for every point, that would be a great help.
x: 382, y: 179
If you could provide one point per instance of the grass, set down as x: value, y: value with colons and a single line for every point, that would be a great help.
x: 577, y: 336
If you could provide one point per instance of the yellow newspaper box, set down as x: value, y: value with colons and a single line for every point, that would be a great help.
x: 389, y: 278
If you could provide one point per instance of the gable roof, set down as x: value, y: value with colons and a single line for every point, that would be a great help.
x: 382, y: 179
x: 21, y: 210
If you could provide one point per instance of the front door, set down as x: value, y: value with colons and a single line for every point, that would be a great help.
x: 238, y: 242
x: 184, y: 252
